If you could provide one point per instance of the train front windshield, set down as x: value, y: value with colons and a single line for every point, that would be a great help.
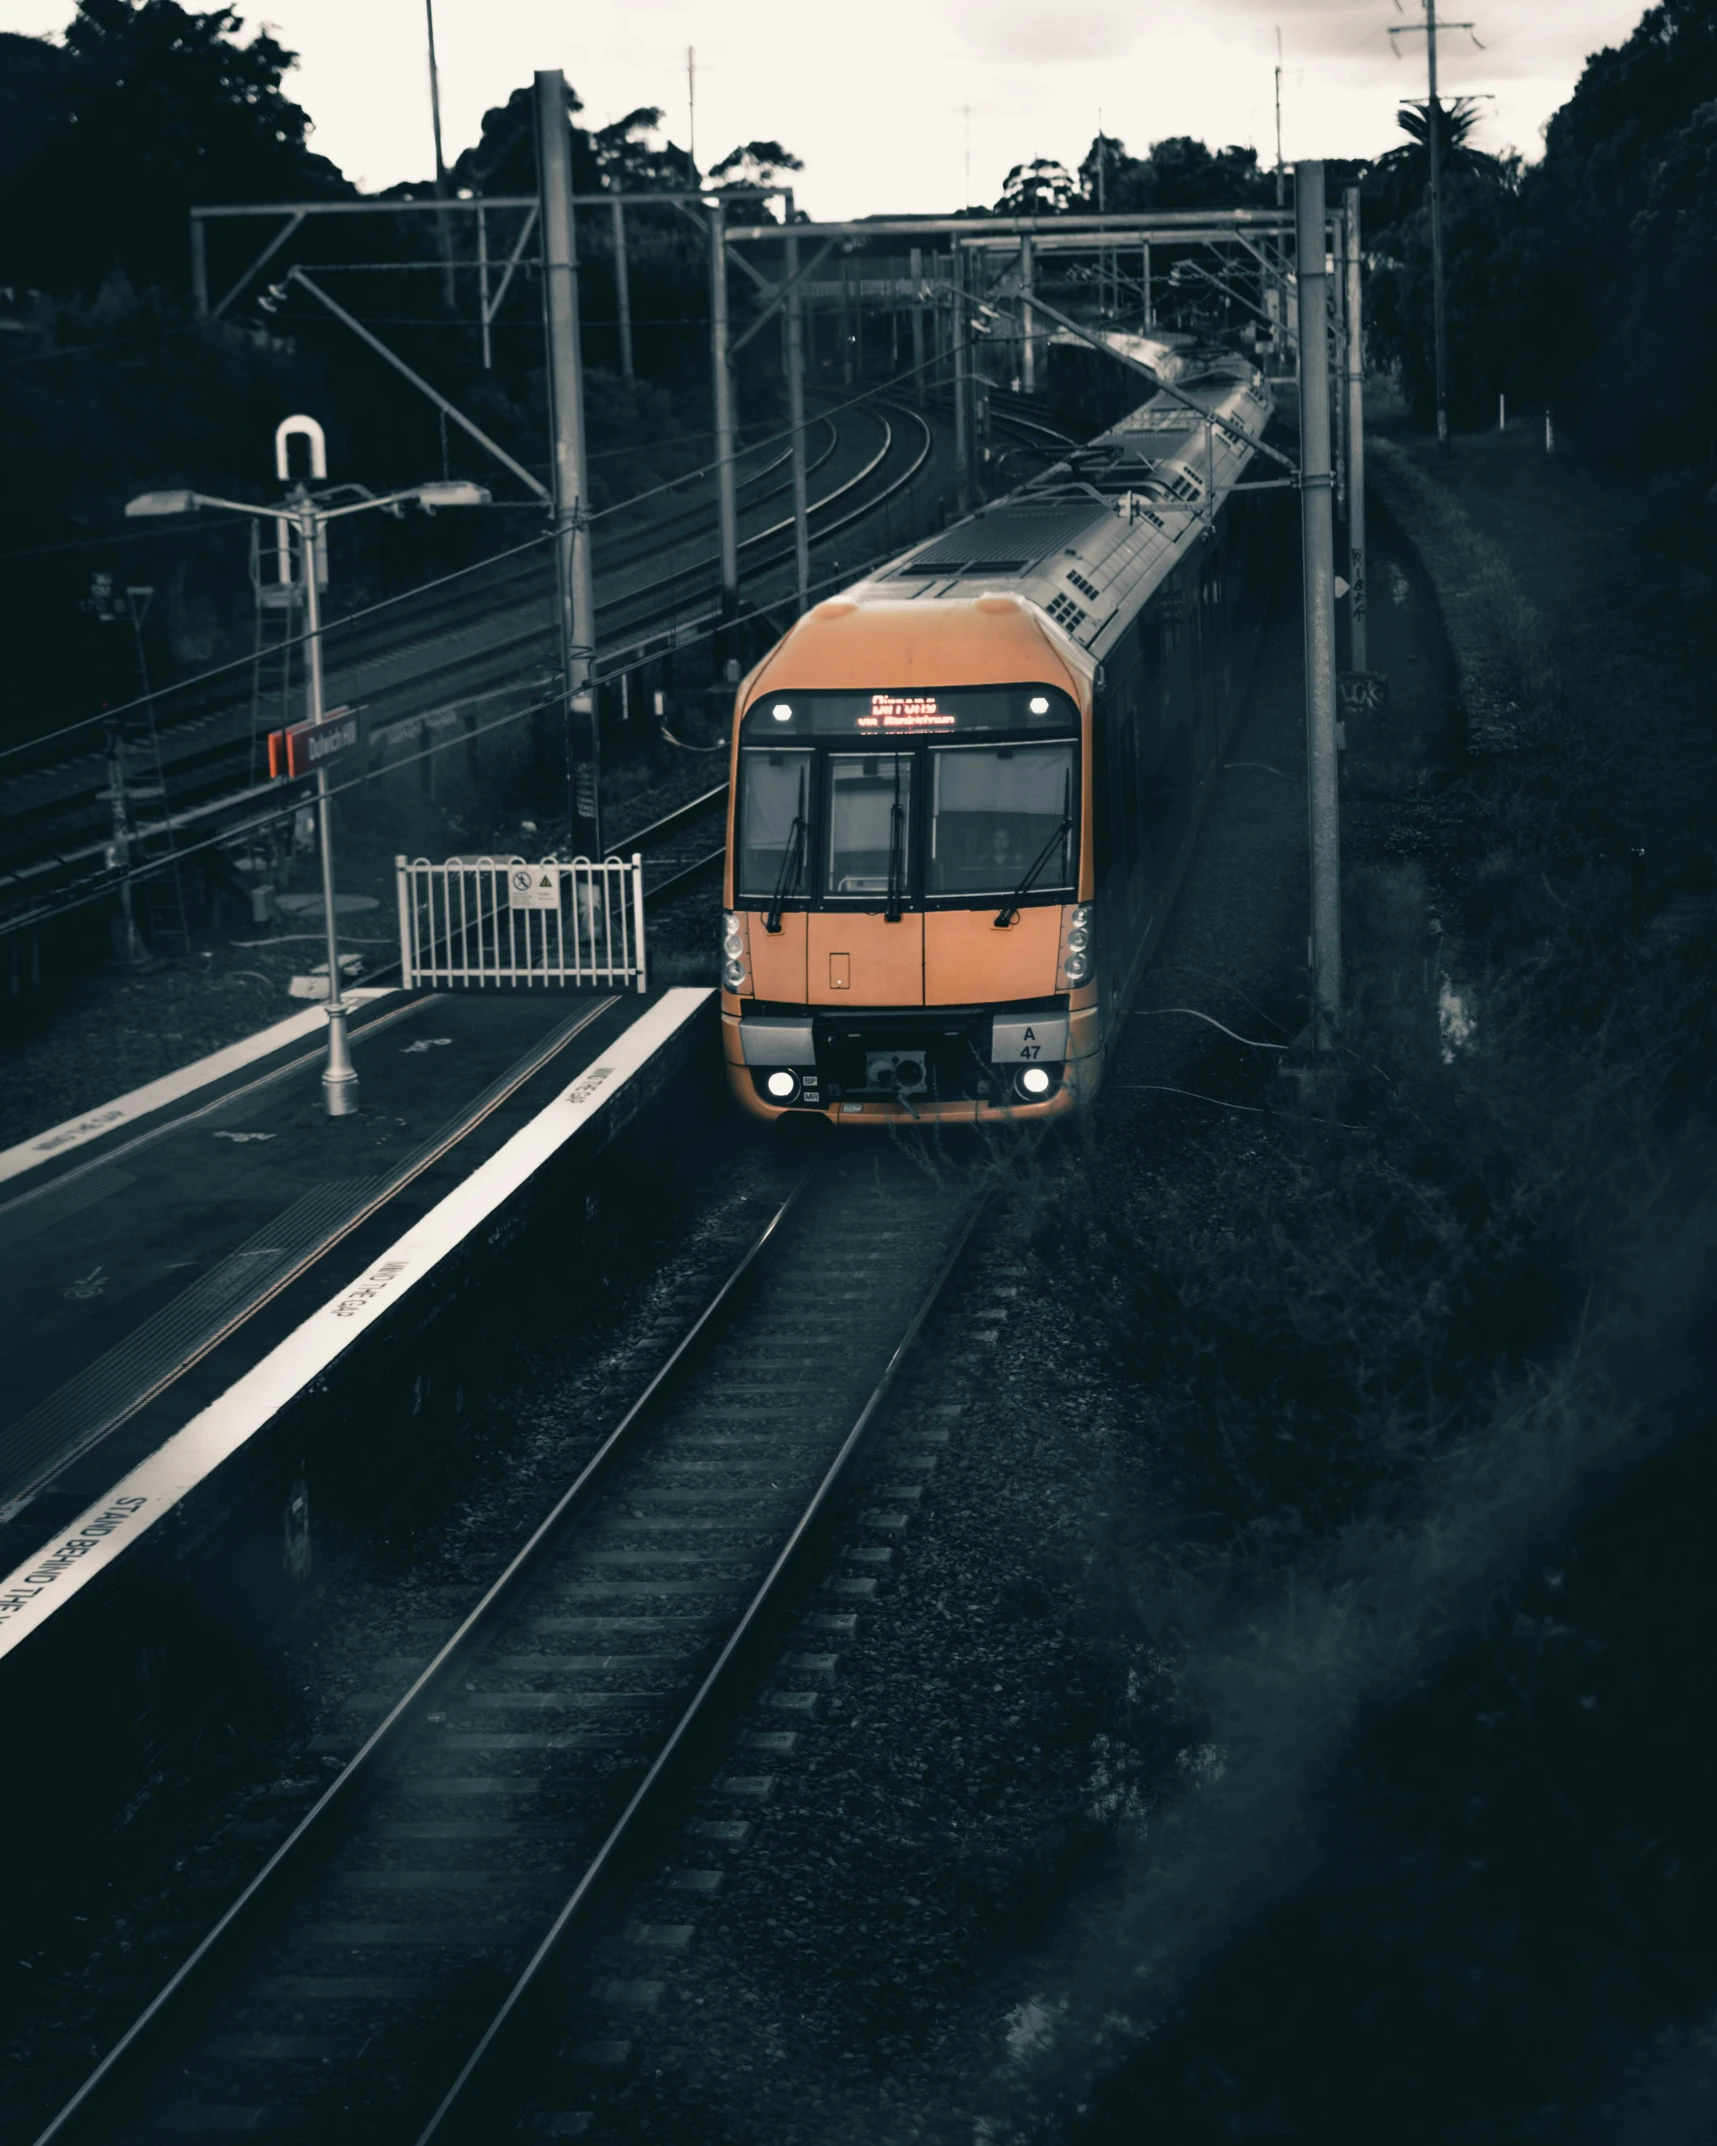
x: 953, y: 796
x: 994, y: 810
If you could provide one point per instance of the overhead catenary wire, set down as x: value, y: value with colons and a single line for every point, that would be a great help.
x: 268, y: 815
x: 705, y: 470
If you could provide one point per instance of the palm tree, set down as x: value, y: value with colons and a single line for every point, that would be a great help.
x: 1395, y: 186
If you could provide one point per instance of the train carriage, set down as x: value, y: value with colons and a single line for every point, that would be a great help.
x: 964, y: 790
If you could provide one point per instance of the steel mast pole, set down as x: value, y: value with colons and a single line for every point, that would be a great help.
x: 796, y: 413
x: 1355, y: 442
x: 340, y: 1076
x: 577, y: 605
x: 962, y: 399
x: 1028, y: 317
x: 623, y: 290
x: 727, y: 510
x: 1317, y: 536
x: 1439, y: 310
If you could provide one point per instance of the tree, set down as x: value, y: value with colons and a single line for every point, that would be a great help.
x: 1395, y: 186
x: 756, y: 164
x: 162, y: 107
x: 1179, y: 173
x: 503, y: 160
x: 627, y: 163
x: 1040, y: 188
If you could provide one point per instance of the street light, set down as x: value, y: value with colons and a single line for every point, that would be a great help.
x: 340, y: 1077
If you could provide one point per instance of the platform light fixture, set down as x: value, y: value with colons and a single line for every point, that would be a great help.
x: 340, y: 1076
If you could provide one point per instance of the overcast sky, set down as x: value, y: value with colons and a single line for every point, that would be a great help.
x: 875, y: 98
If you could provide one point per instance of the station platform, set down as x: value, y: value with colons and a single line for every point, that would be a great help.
x: 180, y: 1265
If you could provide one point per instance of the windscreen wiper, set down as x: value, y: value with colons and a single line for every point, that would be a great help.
x: 792, y: 863
x: 1010, y: 909
x: 896, y: 852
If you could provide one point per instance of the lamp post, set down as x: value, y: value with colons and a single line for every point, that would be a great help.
x: 339, y: 1076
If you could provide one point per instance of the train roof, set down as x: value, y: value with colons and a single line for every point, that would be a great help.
x: 1088, y: 541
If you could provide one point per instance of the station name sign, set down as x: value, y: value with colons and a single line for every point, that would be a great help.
x: 309, y: 746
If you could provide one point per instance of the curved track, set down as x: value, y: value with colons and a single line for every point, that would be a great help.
x: 487, y: 648
x: 397, y: 1970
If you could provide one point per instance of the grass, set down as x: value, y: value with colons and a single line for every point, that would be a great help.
x: 1376, y: 1368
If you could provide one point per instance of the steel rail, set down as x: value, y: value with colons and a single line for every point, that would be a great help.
x: 672, y: 580
x: 70, y: 858
x: 476, y: 1622
x: 673, y: 819
x: 623, y: 1835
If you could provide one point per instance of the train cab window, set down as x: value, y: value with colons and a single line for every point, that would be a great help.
x: 869, y: 819
x: 774, y: 812
x: 995, y: 809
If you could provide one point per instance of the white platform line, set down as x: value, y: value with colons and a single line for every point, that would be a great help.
x: 31, y: 1594
x: 172, y: 1086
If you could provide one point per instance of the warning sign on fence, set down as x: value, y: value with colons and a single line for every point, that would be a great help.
x: 533, y: 886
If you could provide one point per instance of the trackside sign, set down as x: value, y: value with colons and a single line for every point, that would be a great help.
x: 308, y: 746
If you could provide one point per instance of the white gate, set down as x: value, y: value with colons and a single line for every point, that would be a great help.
x: 504, y: 920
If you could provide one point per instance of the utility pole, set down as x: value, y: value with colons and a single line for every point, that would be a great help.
x: 1434, y: 144
x: 915, y: 269
x: 1336, y: 357
x: 622, y: 289
x: 1027, y: 316
x: 962, y: 396
x: 1317, y: 539
x: 796, y: 408
x: 1356, y: 599
x: 692, y: 106
x: 577, y: 602
x: 727, y: 511
x: 446, y: 232
x: 1279, y: 176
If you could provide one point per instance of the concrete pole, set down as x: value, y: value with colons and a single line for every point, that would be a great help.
x: 796, y: 418
x: 623, y: 290
x: 1145, y: 267
x: 1338, y: 359
x: 445, y: 228
x: 339, y: 1076
x: 1439, y: 310
x: 962, y: 395
x: 1355, y: 442
x: 1027, y: 317
x: 571, y: 479
x: 727, y: 509
x: 483, y: 284
x: 915, y: 268
x: 1317, y: 538
x: 199, y: 268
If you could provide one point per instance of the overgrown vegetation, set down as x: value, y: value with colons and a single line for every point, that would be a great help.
x: 1380, y: 1354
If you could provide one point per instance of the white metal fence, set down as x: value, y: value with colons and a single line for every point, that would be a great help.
x: 496, y: 921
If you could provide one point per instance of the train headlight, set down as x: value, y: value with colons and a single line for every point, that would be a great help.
x: 1078, y: 962
x: 735, y: 969
x: 1033, y: 1083
x: 782, y: 1085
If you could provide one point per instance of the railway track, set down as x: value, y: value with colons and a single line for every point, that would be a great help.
x: 493, y: 647
x: 412, y: 1960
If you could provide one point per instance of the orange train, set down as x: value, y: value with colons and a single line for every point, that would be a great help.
x: 964, y: 791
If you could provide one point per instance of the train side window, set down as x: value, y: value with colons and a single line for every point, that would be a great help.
x: 775, y: 792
